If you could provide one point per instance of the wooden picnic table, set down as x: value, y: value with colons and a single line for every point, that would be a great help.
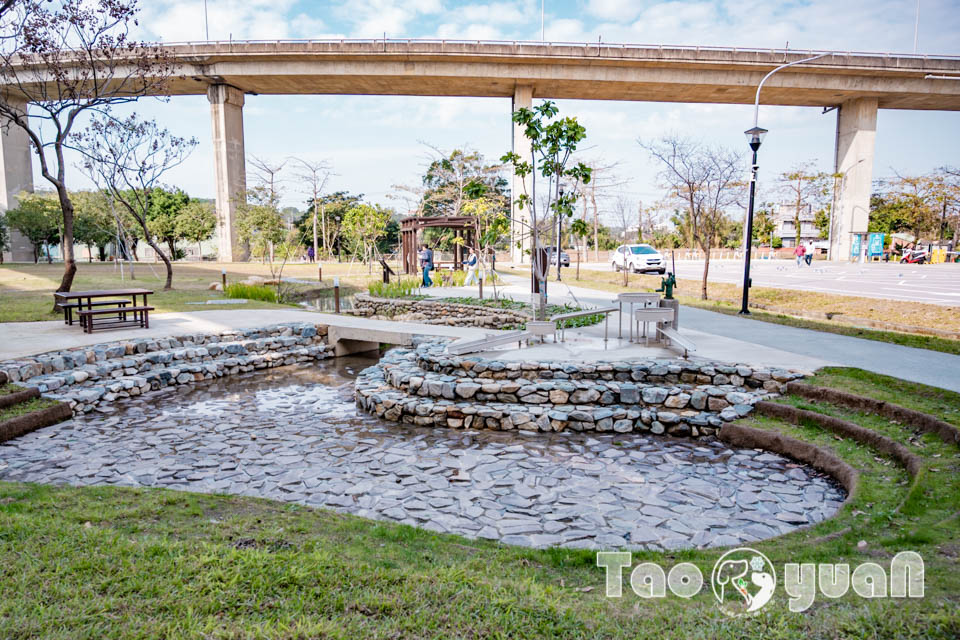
x: 85, y: 303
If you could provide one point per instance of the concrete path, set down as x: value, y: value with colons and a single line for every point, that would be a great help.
x: 760, y: 342
x: 19, y: 339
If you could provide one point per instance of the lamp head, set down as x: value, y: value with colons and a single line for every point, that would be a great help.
x: 755, y: 136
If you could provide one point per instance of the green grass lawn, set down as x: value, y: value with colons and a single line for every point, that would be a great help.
x: 26, y: 290
x: 23, y: 408
x: 725, y: 298
x: 140, y: 563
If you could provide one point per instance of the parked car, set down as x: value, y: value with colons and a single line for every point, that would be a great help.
x: 639, y: 258
x: 552, y: 257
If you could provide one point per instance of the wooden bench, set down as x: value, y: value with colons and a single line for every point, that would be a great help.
x: 141, y: 318
x: 68, y: 307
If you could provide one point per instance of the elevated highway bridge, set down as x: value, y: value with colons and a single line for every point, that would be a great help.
x: 856, y: 84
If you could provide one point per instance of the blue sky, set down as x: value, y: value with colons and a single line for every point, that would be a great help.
x: 375, y: 142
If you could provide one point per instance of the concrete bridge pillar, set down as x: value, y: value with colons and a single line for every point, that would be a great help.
x: 856, y: 134
x: 522, y: 97
x: 226, y: 110
x: 17, y: 176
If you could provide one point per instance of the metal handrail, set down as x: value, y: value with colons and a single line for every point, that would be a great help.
x: 586, y: 45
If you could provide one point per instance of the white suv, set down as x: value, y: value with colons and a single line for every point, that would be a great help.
x: 640, y: 258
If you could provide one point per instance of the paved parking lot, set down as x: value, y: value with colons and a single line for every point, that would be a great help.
x: 930, y: 283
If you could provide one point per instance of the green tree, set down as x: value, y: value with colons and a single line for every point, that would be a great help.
x: 4, y: 236
x: 553, y: 141
x: 128, y: 157
x: 165, y: 206
x: 453, y: 179
x: 363, y: 225
x: 763, y: 226
x: 94, y: 225
x: 38, y: 217
x: 333, y: 209
x: 196, y: 223
x: 579, y: 229
x: 260, y: 224
x: 83, y: 50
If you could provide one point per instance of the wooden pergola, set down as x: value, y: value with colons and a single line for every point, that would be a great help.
x: 410, y: 228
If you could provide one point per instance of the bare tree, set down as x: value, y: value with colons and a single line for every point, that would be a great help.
x: 622, y: 210
x: 128, y: 158
x: 315, y: 174
x: 64, y: 59
x: 268, y: 174
x: 603, y: 184
x: 805, y: 188
x: 704, y: 179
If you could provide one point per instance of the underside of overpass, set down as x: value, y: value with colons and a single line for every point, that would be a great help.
x: 856, y: 84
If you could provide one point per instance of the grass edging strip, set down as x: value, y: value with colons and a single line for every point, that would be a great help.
x: 17, y: 397
x: 923, y: 421
x: 20, y: 425
x: 867, y: 437
x: 739, y: 435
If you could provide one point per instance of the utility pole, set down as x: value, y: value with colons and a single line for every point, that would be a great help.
x: 543, y: 37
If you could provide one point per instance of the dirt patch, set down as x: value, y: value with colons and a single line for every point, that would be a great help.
x: 739, y: 435
x: 923, y: 421
x: 867, y: 437
x: 265, y: 545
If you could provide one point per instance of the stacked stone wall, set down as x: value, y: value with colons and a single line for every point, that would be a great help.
x: 89, y: 378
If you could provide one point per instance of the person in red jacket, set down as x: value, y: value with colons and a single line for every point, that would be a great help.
x: 799, y: 252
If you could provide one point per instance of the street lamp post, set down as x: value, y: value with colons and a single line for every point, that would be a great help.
x: 754, y: 138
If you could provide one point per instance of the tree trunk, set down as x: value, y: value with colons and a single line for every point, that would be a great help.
x: 706, y: 269
x: 596, y: 228
x: 171, y: 244
x: 90, y: 253
x: 69, y: 261
x: 316, y: 246
x: 166, y: 263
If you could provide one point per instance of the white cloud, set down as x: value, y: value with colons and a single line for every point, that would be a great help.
x: 182, y: 20
x: 373, y: 18
x: 614, y: 9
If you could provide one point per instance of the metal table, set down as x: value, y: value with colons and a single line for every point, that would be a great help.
x: 633, y: 298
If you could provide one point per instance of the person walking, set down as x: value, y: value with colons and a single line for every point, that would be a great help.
x: 426, y: 263
x: 472, y: 264
x: 808, y: 258
x: 310, y: 253
x: 799, y: 252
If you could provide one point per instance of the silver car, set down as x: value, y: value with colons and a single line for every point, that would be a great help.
x: 639, y: 258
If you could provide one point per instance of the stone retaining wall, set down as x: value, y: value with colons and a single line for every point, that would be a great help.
x: 649, y: 396
x: 434, y: 358
x: 436, y: 312
x: 90, y: 377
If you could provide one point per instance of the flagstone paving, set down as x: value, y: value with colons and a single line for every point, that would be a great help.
x: 293, y: 434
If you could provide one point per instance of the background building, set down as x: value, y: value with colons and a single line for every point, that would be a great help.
x: 785, y: 221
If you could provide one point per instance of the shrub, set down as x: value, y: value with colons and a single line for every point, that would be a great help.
x: 399, y: 289
x: 460, y: 277
x: 251, y: 292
